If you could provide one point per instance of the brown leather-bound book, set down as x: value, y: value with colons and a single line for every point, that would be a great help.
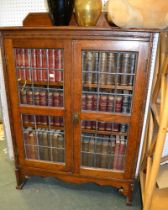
x: 118, y: 62
x: 54, y: 144
x: 132, y: 68
x: 61, y: 104
x: 58, y: 65
x: 60, y: 147
x: 98, y: 151
x: 46, y: 150
x: 111, y: 68
x: 89, y: 102
x: 22, y: 64
x: 89, y: 67
x: 29, y: 95
x: 18, y: 63
x: 125, y: 68
x: 103, y: 68
x: 23, y: 96
x: 111, y: 152
x: 115, y: 127
x: 56, y: 99
x: 91, y: 152
x: 31, y: 147
x: 57, y: 122
x: 85, y: 150
x: 121, y: 155
x: 84, y: 101
x: 50, y: 99
x: 37, y: 97
x: 116, y: 153
x: 43, y: 98
x: 104, y: 157
x: 101, y: 126
x: 110, y: 103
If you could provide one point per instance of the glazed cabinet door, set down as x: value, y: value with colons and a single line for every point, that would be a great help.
x: 110, y: 80
x: 39, y: 84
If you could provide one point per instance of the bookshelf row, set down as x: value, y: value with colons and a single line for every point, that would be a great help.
x: 103, y: 151
x: 42, y: 144
x: 87, y: 126
x: 39, y: 65
x: 108, y: 68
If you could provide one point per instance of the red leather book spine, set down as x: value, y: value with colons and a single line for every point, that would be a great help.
x: 56, y: 122
x: 23, y: 71
x: 118, y: 104
x: 56, y: 99
x: 44, y: 66
x: 33, y: 61
x: 116, y: 153
x: 18, y: 63
x: 27, y: 65
x: 39, y: 65
x: 103, y: 103
x: 51, y: 64
x: 50, y: 99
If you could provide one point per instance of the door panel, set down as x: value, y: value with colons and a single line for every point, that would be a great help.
x: 109, y: 92
x: 41, y: 99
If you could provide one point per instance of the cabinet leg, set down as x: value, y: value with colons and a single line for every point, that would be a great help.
x: 20, y: 179
x: 129, y: 197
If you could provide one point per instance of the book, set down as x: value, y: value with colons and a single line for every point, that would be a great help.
x: 56, y: 99
x: 112, y: 144
x: 50, y: 99
x: 89, y: 101
x: 108, y: 126
x: 43, y: 97
x: 110, y: 103
x: 83, y: 102
x: 43, y: 144
x: 37, y: 97
x: 123, y: 128
x: 118, y: 61
x: 89, y: 67
x: 104, y: 152
x: 54, y: 144
x: 60, y: 146
x: 58, y: 65
x: 85, y: 150
x: 44, y: 65
x: 101, y: 126
x: 31, y: 146
x: 103, y: 68
x: 39, y: 65
x: 51, y: 64
x: 91, y: 152
x: 116, y: 153
x: 126, y: 102
x: 27, y: 65
x: 18, y: 63
x: 118, y: 103
x: 33, y: 65
x: 132, y: 68
x: 98, y: 151
x: 121, y: 154
x: 29, y: 94
x: 22, y: 64
x: 125, y: 68
x: 103, y: 103
x: 111, y: 68
x: 23, y: 96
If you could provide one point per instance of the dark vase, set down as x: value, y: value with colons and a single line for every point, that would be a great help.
x: 60, y: 11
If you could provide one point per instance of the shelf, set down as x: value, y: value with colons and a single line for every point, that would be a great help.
x: 119, y: 87
x: 104, y: 132
x: 25, y: 82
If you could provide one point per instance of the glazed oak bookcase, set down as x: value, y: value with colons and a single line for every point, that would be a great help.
x: 76, y: 98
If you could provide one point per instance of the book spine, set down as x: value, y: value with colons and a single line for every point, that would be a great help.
x: 103, y: 68
x: 116, y: 153
x: 85, y: 150
x: 111, y: 68
x: 46, y: 151
x: 112, y: 145
x: 25, y: 119
x: 103, y: 103
x: 51, y: 64
x: 32, y: 146
x: 58, y: 65
x: 33, y: 62
x: 110, y: 103
x: 101, y: 126
x: 29, y: 95
x: 89, y: 101
x: 118, y: 63
x: 39, y: 65
x: 118, y: 104
x: 23, y: 96
x: 27, y: 65
x: 54, y: 147
x: 104, y: 157
x: 18, y: 63
x: 57, y: 122
x: 115, y: 127
x: 44, y: 66
x: 91, y: 152
x: 89, y: 67
x: 56, y: 99
x: 50, y: 99
x: 84, y: 67
x: 98, y: 150
x: 126, y: 102
x: 132, y: 68
x: 108, y: 126
x: 84, y: 101
x: 125, y: 68
x: 43, y: 98
x: 37, y: 97
x: 61, y: 154
x: 23, y: 70
x: 121, y: 155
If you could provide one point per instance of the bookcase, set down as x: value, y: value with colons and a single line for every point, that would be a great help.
x: 76, y: 98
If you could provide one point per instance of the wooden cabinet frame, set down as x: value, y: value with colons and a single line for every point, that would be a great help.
x: 73, y: 40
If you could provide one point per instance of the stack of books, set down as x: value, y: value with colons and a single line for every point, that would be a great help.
x: 39, y: 65
x: 103, y: 151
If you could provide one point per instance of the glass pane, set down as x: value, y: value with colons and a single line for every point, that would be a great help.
x: 103, y: 144
x: 108, y: 79
x: 40, y: 75
x: 44, y: 137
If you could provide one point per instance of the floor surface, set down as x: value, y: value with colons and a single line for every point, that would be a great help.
x: 51, y: 194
